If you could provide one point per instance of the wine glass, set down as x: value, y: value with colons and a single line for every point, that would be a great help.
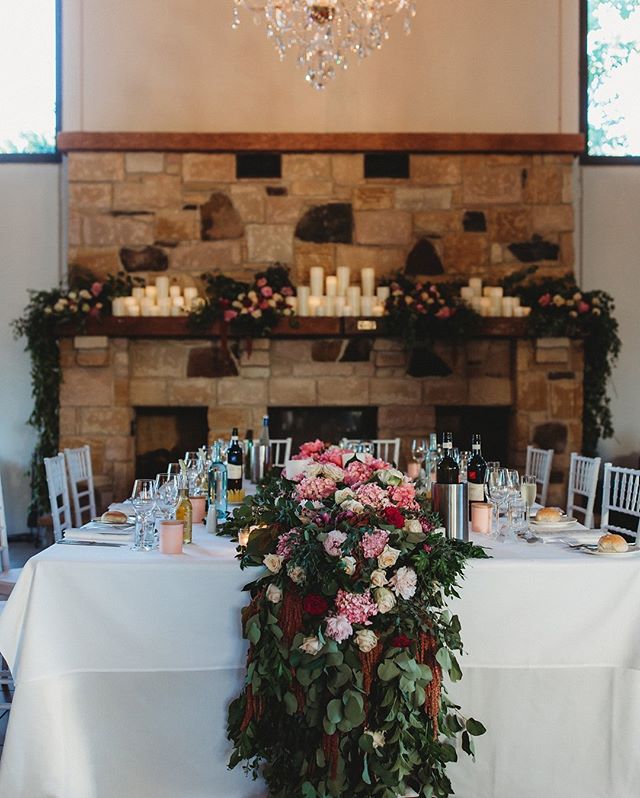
x: 166, y: 495
x: 513, y: 482
x: 143, y: 499
x: 497, y: 491
x: 173, y: 470
x: 528, y: 490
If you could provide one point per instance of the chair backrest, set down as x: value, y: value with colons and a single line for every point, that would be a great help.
x: 539, y: 463
x: 583, y: 481
x: 620, y: 493
x: 81, y: 482
x: 58, y: 494
x: 4, y: 539
x: 388, y: 449
x: 280, y: 451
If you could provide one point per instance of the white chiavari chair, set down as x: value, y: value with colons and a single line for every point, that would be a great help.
x: 58, y: 495
x: 539, y: 463
x: 583, y: 481
x: 81, y: 481
x: 387, y: 449
x: 621, y: 494
x: 280, y: 451
x: 8, y: 575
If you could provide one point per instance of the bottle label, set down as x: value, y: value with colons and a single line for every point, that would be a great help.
x: 234, y: 471
x: 475, y: 447
x: 476, y: 492
x: 447, y: 445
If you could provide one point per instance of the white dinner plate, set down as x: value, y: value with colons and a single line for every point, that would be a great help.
x: 632, y: 552
x: 564, y: 521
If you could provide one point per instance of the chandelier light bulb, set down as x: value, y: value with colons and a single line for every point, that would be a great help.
x: 322, y: 33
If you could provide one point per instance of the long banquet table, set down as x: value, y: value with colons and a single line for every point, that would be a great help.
x: 125, y: 663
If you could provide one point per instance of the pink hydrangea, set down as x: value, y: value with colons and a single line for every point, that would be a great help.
x: 372, y: 495
x: 332, y: 455
x: 310, y: 450
x: 333, y: 543
x: 356, y: 607
x: 287, y: 543
x: 312, y: 488
x: 403, y: 496
x: 356, y: 473
x: 339, y: 628
x: 373, y: 544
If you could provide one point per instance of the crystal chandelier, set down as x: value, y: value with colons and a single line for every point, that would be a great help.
x: 324, y: 32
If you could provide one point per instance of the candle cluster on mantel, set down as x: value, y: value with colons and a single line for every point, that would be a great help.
x: 161, y: 299
x: 491, y: 301
x: 335, y: 296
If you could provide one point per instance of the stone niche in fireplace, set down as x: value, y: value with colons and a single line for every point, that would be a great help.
x: 535, y: 387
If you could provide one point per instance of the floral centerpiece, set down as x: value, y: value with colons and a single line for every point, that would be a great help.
x: 349, y: 634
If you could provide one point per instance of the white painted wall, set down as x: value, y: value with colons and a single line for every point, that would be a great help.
x: 29, y: 258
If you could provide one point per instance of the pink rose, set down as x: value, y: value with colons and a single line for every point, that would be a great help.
x: 545, y: 300
x: 266, y: 291
x: 96, y: 288
x: 229, y: 315
x: 339, y: 628
x: 333, y: 543
x: 262, y: 281
x: 583, y: 307
x: 444, y: 313
x: 287, y: 291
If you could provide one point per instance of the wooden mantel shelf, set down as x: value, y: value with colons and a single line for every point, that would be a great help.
x: 125, y: 327
x: 561, y: 143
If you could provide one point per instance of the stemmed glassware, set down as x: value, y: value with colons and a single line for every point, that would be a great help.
x: 143, y: 499
x: 497, y: 482
x: 173, y: 470
x: 166, y: 495
x: 419, y: 449
x: 528, y: 490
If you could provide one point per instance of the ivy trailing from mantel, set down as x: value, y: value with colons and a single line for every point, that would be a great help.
x: 417, y: 311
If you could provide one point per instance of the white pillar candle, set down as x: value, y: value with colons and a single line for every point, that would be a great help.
x: 343, y: 274
x: 146, y: 306
x: 174, y: 291
x: 177, y: 310
x: 137, y: 292
x: 475, y: 284
x: 339, y: 305
x: 315, y: 303
x: 150, y: 291
x: 495, y: 305
x: 133, y: 310
x: 486, y: 291
x: 178, y: 302
x: 516, y: 301
x: 321, y: 310
x: 303, y: 300
x: 162, y: 287
x: 316, y: 279
x: 485, y: 306
x: 292, y: 301
x: 368, y: 280
x: 366, y: 306
x: 353, y: 298
x: 330, y: 305
x: 190, y: 293
x: 118, y: 306
x: 378, y: 310
x: 507, y: 306
x: 347, y: 310
x: 466, y: 292
x: 332, y: 285
x: 383, y: 292
x: 476, y: 304
x: 155, y: 310
x: 164, y: 306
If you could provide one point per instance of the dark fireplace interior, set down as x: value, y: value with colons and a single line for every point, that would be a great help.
x: 327, y: 423
x: 164, y: 434
x: 491, y: 422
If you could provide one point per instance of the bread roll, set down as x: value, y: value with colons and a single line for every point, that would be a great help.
x: 549, y: 515
x: 613, y: 543
x: 113, y: 517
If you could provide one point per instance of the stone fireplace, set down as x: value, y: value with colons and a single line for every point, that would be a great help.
x: 439, y: 206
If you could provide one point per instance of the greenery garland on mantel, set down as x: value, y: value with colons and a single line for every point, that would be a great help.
x: 417, y: 311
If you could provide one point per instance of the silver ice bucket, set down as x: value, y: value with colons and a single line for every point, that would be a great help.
x: 451, y: 502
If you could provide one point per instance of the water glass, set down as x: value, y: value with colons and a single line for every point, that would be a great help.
x: 517, y: 517
x: 143, y: 500
x: 419, y: 448
x: 166, y: 495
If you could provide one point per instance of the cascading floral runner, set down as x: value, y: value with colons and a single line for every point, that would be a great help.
x: 349, y: 634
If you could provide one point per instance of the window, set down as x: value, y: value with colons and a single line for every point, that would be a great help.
x: 29, y: 80
x: 611, y: 77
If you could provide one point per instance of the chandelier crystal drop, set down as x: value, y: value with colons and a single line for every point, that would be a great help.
x: 324, y: 33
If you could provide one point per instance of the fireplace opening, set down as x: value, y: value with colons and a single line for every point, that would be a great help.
x: 327, y: 423
x: 164, y: 434
x: 490, y: 422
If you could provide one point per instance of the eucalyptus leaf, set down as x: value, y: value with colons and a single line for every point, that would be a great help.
x: 475, y: 727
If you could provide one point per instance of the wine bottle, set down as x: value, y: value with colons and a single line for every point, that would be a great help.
x: 448, y: 470
x: 218, y: 483
x: 234, y: 468
x: 476, y: 471
x: 249, y: 454
x: 184, y: 510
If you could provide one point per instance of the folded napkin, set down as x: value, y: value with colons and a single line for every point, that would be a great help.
x: 574, y: 538
x: 94, y: 536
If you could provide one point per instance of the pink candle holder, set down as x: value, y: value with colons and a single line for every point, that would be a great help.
x: 198, y: 509
x: 171, y: 537
x: 481, y: 518
x: 413, y: 470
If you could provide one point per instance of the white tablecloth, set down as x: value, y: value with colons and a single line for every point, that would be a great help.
x: 125, y: 664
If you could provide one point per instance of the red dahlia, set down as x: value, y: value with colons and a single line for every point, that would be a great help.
x: 394, y: 517
x: 401, y: 641
x: 314, y: 604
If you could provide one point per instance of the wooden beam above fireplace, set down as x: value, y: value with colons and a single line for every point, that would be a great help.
x: 558, y: 143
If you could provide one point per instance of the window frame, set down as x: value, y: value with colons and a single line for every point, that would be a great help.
x: 586, y: 158
x: 56, y: 156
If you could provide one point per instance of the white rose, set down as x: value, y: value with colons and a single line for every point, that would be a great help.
x: 297, y: 574
x: 343, y: 495
x: 273, y: 563
x: 349, y: 565
x: 366, y: 640
x: 378, y: 738
x: 274, y: 594
x: 332, y: 471
x: 388, y: 557
x: 412, y: 526
x: 353, y: 505
x: 310, y: 645
x: 404, y: 582
x: 313, y: 470
x: 378, y: 578
x: 390, y: 476
x: 385, y: 600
